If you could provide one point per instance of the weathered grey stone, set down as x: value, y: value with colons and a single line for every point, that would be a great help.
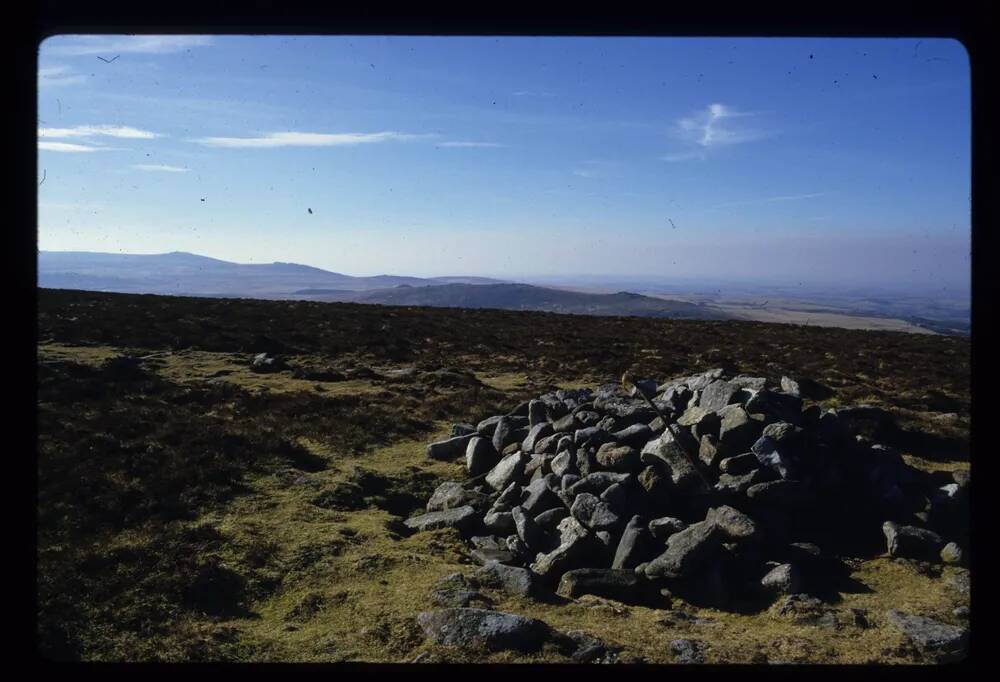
x: 507, y: 471
x: 779, y: 493
x: 951, y: 553
x: 499, y: 522
x: 564, y: 463
x: 451, y: 494
x: 751, y: 383
x: 780, y: 406
x: 700, y: 381
x: 740, y: 464
x: 686, y: 551
x: 535, y: 434
x: 633, y: 548
x: 462, y: 519
x: 537, y: 414
x: 591, y: 435
x: 791, y: 387
x: 450, y: 448
x: 617, y: 496
x: 782, y: 579
x: 960, y: 582
x: 510, y: 579
x: 503, y: 433
x: 480, y: 456
x: 568, y: 424
x: 488, y: 542
x: 519, y: 548
x: 947, y: 642
x: 738, y: 485
x: 667, y: 452
x: 539, y: 497
x: 718, y: 394
x: 462, y: 430
x: 535, y: 463
x: 458, y: 597
x: 912, y: 542
x: 530, y: 533
x: 614, y: 457
x: 547, y: 445
x: 574, y: 551
x: 737, y: 526
x: 653, y: 482
x: 488, y: 426
x: 664, y: 527
x: 737, y: 431
x: 708, y: 450
x: 486, y: 556
x: 634, y: 436
x: 620, y: 585
x: 597, y: 482
x: 782, y: 432
x: 550, y: 519
x: 482, y: 628
x: 695, y: 415
x: 688, y: 651
x: 593, y: 513
x: 768, y: 454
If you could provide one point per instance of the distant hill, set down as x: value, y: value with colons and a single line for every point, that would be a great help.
x: 527, y: 297
x: 180, y: 273
x: 188, y: 274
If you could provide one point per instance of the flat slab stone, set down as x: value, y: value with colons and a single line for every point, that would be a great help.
x: 461, y: 518
x: 948, y: 642
x: 483, y: 628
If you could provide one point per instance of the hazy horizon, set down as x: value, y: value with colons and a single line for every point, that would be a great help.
x: 825, y: 162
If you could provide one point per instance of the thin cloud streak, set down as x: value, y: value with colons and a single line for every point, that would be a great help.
x: 104, y: 130
x: 54, y: 76
x: 296, y: 139
x: 767, y: 200
x: 471, y: 144
x: 682, y: 156
x: 159, y: 168
x: 70, y: 147
x: 708, y: 129
x: 101, y: 45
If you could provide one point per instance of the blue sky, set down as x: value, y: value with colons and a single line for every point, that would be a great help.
x: 829, y: 160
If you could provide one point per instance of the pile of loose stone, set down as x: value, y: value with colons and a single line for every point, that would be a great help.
x: 722, y: 490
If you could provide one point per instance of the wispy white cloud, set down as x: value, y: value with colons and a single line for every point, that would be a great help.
x: 533, y: 93
x: 768, y: 200
x: 103, y: 130
x: 70, y: 147
x: 76, y: 46
x: 159, y: 168
x: 683, y: 156
x: 52, y: 76
x: 713, y: 127
x: 471, y: 144
x: 586, y: 173
x: 297, y: 139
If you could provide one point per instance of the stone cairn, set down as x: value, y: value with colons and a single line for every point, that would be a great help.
x: 722, y: 490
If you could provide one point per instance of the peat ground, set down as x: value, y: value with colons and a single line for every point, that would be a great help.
x: 191, y: 509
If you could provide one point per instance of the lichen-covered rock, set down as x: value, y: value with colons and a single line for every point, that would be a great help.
x: 482, y: 628
x: 912, y: 542
x: 946, y: 642
x: 510, y: 579
x: 508, y: 470
x: 620, y: 585
x: 686, y: 551
x: 462, y: 519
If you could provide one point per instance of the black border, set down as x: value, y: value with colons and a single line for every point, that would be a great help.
x: 967, y: 22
